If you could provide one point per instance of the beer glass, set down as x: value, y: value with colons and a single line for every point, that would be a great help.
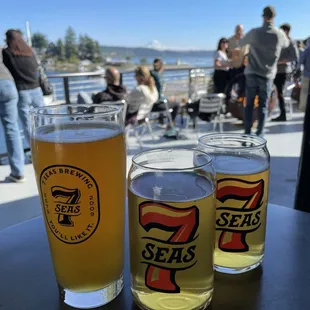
x: 171, y: 197
x: 79, y: 157
x: 241, y: 163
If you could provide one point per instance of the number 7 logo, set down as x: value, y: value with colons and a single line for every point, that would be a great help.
x: 250, y: 192
x: 183, y: 223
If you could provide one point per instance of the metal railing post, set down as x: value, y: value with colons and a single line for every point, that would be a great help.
x: 189, y: 84
x: 66, y: 89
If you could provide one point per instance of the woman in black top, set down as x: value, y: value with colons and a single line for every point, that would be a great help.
x: 221, y: 66
x: 21, y: 61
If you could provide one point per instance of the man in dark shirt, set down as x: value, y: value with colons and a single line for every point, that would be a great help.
x: 266, y: 43
x: 157, y: 75
x: 114, y: 91
x: 288, y: 58
x: 159, y: 106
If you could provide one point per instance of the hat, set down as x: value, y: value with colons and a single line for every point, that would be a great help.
x: 269, y: 11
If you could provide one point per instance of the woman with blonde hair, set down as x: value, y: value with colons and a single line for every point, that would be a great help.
x: 144, y: 93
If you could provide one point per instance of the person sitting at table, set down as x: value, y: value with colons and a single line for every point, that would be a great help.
x: 221, y: 65
x: 114, y: 91
x: 157, y: 74
x: 144, y: 93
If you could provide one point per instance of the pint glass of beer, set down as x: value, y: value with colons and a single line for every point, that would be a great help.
x: 242, y: 173
x: 79, y: 157
x: 172, y: 228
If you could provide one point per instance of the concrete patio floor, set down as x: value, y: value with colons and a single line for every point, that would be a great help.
x: 20, y: 202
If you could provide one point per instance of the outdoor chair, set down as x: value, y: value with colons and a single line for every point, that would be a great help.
x: 140, y: 123
x: 121, y: 103
x: 166, y: 112
x: 208, y: 106
x: 289, y: 101
x: 84, y: 98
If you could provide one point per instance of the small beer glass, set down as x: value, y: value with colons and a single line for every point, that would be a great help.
x: 242, y: 165
x: 171, y: 197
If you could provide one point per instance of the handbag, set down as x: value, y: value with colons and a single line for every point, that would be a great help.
x: 44, y: 83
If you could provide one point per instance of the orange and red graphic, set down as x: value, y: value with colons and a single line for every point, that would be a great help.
x: 236, y: 222
x: 166, y: 257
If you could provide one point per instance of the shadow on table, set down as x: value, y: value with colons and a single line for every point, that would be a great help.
x: 283, y: 179
x: 239, y: 291
x: 230, y: 292
x: 17, y: 211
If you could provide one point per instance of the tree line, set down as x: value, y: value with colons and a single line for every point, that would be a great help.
x: 70, y: 48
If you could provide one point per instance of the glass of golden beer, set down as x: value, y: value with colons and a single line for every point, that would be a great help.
x: 171, y: 197
x: 242, y: 165
x: 79, y: 157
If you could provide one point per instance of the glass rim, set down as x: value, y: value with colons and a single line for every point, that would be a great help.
x: 111, y: 110
x: 208, y: 161
x: 261, y: 142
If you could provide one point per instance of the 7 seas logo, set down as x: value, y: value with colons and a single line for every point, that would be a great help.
x: 236, y: 222
x: 72, y: 213
x: 164, y: 258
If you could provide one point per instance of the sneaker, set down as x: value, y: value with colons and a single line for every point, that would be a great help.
x: 16, y: 179
x: 171, y: 133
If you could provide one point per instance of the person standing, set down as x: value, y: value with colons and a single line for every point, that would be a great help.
x: 305, y: 80
x: 237, y: 53
x: 221, y: 66
x: 9, y: 120
x: 288, y: 58
x: 159, y: 106
x: 21, y: 62
x: 266, y: 43
x: 300, y: 46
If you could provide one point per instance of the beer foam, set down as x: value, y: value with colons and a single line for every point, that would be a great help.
x: 76, y: 132
x: 229, y: 164
x: 172, y: 186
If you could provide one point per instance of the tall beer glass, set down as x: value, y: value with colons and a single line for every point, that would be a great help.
x: 79, y: 156
x: 172, y: 225
x: 242, y: 172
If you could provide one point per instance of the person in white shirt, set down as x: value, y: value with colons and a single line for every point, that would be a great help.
x: 144, y: 93
x: 221, y: 66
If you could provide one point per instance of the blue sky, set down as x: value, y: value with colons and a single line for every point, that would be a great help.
x: 174, y: 23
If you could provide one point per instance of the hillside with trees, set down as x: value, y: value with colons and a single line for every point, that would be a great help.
x: 70, y: 49
x: 150, y: 52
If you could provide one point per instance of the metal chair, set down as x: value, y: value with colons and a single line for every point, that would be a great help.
x: 166, y: 112
x: 141, y: 123
x: 213, y: 103
x: 287, y: 97
x: 84, y: 98
x: 198, y: 81
x: 121, y: 103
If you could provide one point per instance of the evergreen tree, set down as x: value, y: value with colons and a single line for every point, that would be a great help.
x: 51, y: 50
x: 39, y: 41
x: 60, y: 50
x: 70, y: 44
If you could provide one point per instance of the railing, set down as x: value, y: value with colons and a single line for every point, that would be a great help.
x: 179, y: 82
x: 68, y: 84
